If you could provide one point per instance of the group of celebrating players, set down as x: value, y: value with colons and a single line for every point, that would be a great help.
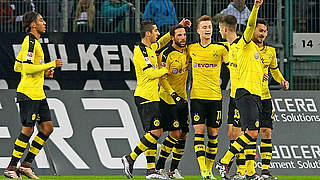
x: 250, y: 110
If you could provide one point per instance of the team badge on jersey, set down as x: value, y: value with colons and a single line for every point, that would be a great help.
x: 175, y: 71
x: 256, y: 55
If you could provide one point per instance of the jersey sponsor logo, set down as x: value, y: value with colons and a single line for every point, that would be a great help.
x: 215, y: 55
x: 233, y: 65
x: 256, y: 55
x: 175, y: 71
x: 205, y: 65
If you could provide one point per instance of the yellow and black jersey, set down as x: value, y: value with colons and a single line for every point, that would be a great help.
x: 177, y: 64
x: 147, y: 71
x: 232, y: 65
x: 269, y: 60
x: 206, y: 67
x: 30, y: 63
x: 249, y: 64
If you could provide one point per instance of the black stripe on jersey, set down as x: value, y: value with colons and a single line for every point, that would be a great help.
x: 275, y: 67
x: 18, y: 61
x: 245, y: 40
x: 236, y: 41
x: 166, y: 53
x: 222, y: 45
x: 28, y: 62
x: 32, y: 42
x: 149, y: 66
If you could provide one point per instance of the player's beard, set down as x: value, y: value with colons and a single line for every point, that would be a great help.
x: 179, y: 44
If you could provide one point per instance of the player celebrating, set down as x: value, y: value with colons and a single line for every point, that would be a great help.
x: 173, y: 101
x: 248, y: 98
x: 228, y: 26
x: 270, y: 61
x: 206, y: 104
x: 147, y: 97
x: 31, y: 97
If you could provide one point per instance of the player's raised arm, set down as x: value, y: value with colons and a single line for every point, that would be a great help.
x: 248, y: 33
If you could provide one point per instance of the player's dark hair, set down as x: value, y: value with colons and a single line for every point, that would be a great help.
x: 27, y: 19
x: 174, y: 28
x: 261, y: 21
x: 203, y: 18
x: 146, y: 26
x: 227, y: 20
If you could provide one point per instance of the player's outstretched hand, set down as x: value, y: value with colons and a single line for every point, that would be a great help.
x: 285, y: 84
x: 185, y: 22
x: 49, y: 73
x: 58, y: 63
x: 258, y: 3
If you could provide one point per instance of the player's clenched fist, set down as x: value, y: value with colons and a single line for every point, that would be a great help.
x: 258, y: 3
x: 58, y: 63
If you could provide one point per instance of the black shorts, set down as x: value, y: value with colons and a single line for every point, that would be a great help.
x: 267, y: 113
x: 207, y: 112
x: 250, y: 110
x: 149, y: 114
x: 174, y: 118
x: 233, y: 113
x: 33, y: 111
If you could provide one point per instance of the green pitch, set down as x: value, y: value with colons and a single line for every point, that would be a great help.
x: 143, y: 177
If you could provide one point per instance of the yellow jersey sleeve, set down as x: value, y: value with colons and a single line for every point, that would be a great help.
x: 248, y: 33
x: 164, y: 40
x: 276, y: 74
x: 165, y: 62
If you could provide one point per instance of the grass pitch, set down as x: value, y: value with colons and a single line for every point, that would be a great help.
x: 143, y: 177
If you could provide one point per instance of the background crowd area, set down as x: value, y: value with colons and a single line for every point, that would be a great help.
x: 117, y: 16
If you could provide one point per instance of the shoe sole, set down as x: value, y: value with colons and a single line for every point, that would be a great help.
x: 26, y: 175
x: 128, y: 174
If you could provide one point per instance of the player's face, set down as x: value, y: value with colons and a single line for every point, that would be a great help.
x: 180, y: 37
x: 205, y: 29
x: 40, y: 24
x: 260, y: 33
x: 154, y: 34
x: 222, y: 30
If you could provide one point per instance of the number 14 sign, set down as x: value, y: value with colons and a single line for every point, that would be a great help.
x: 306, y: 44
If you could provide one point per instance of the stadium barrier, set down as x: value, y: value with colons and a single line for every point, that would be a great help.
x: 93, y: 129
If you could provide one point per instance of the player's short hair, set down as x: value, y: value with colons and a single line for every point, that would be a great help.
x: 227, y: 20
x: 27, y: 19
x: 203, y: 18
x: 146, y: 26
x: 261, y: 21
x: 174, y: 28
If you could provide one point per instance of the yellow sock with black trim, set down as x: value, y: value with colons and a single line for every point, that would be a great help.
x: 36, y: 145
x: 266, y: 153
x: 241, y: 163
x: 166, y: 149
x: 211, y: 151
x: 145, y: 142
x: 177, y: 153
x: 231, y: 162
x: 199, y: 148
x: 235, y: 148
x: 151, y: 154
x: 250, y: 153
x: 20, y: 146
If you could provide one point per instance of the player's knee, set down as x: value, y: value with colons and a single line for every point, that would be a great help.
x: 230, y: 134
x: 47, y: 131
x: 175, y: 134
x: 253, y: 134
x: 265, y: 133
x: 157, y: 132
